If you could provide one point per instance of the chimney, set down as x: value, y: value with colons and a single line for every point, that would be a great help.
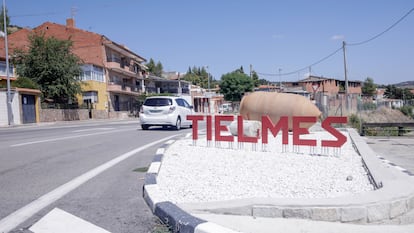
x: 70, y: 23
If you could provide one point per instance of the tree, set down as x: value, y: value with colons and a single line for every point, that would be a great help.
x: 240, y: 70
x: 393, y: 92
x: 255, y: 78
x: 263, y: 81
x: 24, y: 82
x: 234, y: 85
x: 151, y: 65
x: 158, y: 69
x: 2, y: 20
x: 50, y: 63
x: 199, y: 76
x: 369, y: 88
x: 390, y: 91
x: 155, y: 69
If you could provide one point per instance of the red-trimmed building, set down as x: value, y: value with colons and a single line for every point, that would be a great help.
x: 113, y: 74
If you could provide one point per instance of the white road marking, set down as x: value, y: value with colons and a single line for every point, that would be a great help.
x: 68, y: 137
x: 19, y: 216
x: 170, y: 142
x: 154, y: 167
x: 92, y: 129
x: 58, y: 220
x: 160, y: 151
x: 400, y: 168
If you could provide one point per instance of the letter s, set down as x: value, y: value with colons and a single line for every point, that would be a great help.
x: 341, y: 139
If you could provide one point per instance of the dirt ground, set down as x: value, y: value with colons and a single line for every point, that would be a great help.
x: 384, y: 115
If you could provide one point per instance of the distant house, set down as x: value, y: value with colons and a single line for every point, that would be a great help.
x: 328, y: 93
x: 268, y: 88
x: 379, y: 94
x: 390, y: 103
x: 154, y: 84
x: 328, y: 86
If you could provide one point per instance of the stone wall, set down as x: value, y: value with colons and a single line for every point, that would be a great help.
x: 50, y: 115
x: 100, y: 114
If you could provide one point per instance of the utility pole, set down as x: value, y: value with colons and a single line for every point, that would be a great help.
x: 346, y: 78
x: 9, y: 98
x: 251, y: 68
x: 208, y: 79
x: 280, y: 80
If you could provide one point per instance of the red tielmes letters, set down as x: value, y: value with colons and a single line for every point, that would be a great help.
x: 268, y: 125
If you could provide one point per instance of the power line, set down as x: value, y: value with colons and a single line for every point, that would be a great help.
x: 39, y: 14
x: 306, y: 67
x: 339, y: 49
x: 383, y: 32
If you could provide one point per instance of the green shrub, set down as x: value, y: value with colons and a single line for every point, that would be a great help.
x: 407, y: 110
x: 24, y: 82
x: 369, y: 106
x: 354, y: 121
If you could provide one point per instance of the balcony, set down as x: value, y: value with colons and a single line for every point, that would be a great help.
x: 113, y: 65
x: 123, y: 89
x: 125, y: 70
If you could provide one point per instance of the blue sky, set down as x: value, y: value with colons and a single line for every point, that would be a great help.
x: 269, y: 35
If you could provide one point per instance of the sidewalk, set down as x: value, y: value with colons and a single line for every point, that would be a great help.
x: 248, y: 224
x: 129, y: 119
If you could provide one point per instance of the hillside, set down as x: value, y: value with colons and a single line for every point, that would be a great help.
x: 406, y: 84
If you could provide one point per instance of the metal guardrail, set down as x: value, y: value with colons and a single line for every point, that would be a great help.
x: 402, y: 126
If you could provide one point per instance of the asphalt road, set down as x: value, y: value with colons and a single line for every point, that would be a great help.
x: 395, y: 150
x: 34, y: 160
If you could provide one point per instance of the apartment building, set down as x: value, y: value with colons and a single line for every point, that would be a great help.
x: 327, y: 86
x: 329, y: 93
x: 113, y: 75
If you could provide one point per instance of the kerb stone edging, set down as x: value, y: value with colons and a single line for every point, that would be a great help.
x: 393, y: 197
x: 176, y: 218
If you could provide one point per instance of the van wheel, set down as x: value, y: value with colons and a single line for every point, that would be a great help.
x: 144, y: 127
x: 178, y: 124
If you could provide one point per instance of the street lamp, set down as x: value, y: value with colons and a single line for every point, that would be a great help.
x: 6, y: 46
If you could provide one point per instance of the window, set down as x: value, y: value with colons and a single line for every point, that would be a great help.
x: 3, y: 69
x: 182, y: 103
x: 92, y: 73
x: 136, y: 68
x: 90, y: 96
x: 115, y: 80
x: 158, y: 102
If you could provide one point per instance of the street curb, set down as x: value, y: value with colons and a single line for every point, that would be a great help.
x: 170, y: 214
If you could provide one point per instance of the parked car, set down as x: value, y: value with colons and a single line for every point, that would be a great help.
x: 226, y: 107
x: 166, y: 111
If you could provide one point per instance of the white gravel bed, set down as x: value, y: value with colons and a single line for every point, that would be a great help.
x: 198, y: 173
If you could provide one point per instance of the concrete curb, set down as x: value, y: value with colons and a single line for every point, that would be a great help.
x: 392, y: 198
x: 176, y: 218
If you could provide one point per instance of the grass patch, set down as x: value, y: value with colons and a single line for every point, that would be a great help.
x: 160, y: 228
x: 141, y: 169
